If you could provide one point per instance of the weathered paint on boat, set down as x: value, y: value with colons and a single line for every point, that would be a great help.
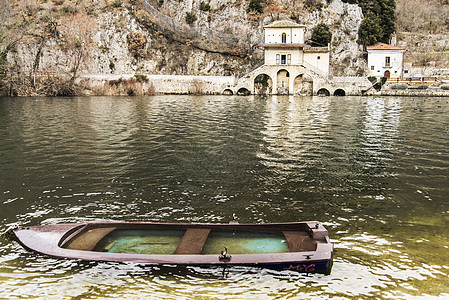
x: 312, y: 252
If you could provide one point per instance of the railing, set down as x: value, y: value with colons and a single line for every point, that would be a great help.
x: 413, y: 79
x: 315, y: 69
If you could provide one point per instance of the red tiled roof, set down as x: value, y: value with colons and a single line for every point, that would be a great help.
x: 383, y: 46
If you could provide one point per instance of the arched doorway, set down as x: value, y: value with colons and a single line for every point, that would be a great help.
x: 387, y: 74
x: 303, y: 85
x: 243, y: 92
x: 283, y: 81
x: 228, y: 92
x: 297, y: 84
x: 263, y: 84
x: 339, y: 92
x: 323, y: 92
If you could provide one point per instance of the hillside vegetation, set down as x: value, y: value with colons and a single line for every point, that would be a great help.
x: 423, y: 16
x: 46, y: 45
x: 423, y: 29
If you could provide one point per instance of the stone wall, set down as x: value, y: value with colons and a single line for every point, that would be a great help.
x: 167, y: 84
x: 425, y: 55
x: 416, y: 88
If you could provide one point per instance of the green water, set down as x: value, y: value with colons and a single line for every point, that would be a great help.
x: 374, y: 170
x: 245, y: 243
x: 141, y: 241
x: 166, y: 242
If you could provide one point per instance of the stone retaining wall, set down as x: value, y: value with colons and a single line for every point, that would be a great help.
x: 187, y: 84
x: 416, y: 93
x: 416, y: 88
x: 169, y: 84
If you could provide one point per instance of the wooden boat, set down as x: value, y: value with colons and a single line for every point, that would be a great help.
x: 302, y: 246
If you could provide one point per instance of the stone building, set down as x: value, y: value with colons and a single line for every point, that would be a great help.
x: 284, y: 45
x: 292, y: 67
x: 385, y: 60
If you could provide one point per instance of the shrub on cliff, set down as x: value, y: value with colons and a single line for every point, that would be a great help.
x: 255, y: 5
x: 190, y: 17
x: 204, y: 6
x: 141, y: 77
x: 136, y: 44
x: 313, y: 4
x: 3, y: 54
x: 369, y: 30
x: 273, y: 9
x: 321, y: 35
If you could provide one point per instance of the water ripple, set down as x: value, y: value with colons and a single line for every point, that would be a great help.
x: 373, y: 169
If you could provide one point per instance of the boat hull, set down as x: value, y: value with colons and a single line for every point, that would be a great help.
x: 63, y: 240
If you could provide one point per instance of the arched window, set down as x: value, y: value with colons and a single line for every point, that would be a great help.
x: 284, y: 38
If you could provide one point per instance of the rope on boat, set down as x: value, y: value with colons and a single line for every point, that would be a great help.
x: 11, y: 227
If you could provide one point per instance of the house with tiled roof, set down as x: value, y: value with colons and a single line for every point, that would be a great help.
x: 293, y: 67
x: 290, y: 64
x: 385, y: 60
x: 284, y: 44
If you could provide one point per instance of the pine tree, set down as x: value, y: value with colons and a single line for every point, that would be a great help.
x: 378, y: 24
x: 369, y: 30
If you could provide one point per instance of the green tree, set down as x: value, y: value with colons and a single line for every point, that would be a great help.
x: 387, y: 19
x: 321, y: 34
x: 255, y: 5
x: 379, y: 22
x: 369, y: 30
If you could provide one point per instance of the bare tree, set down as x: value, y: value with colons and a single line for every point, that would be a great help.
x: 77, y: 31
x: 11, y: 33
x: 273, y: 9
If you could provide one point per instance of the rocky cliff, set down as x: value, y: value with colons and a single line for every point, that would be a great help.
x: 46, y: 44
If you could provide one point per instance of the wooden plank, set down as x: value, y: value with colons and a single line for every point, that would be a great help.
x: 88, y: 240
x: 193, y: 241
x: 299, y: 241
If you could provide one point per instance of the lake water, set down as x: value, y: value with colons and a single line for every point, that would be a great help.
x: 373, y: 170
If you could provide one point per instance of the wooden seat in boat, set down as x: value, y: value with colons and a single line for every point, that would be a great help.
x: 193, y: 241
x: 299, y: 241
x: 89, y: 239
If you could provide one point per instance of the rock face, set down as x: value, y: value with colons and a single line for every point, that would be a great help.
x: 347, y: 57
x: 231, y: 17
x: 152, y: 37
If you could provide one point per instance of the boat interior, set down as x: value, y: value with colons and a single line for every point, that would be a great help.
x: 175, y: 239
